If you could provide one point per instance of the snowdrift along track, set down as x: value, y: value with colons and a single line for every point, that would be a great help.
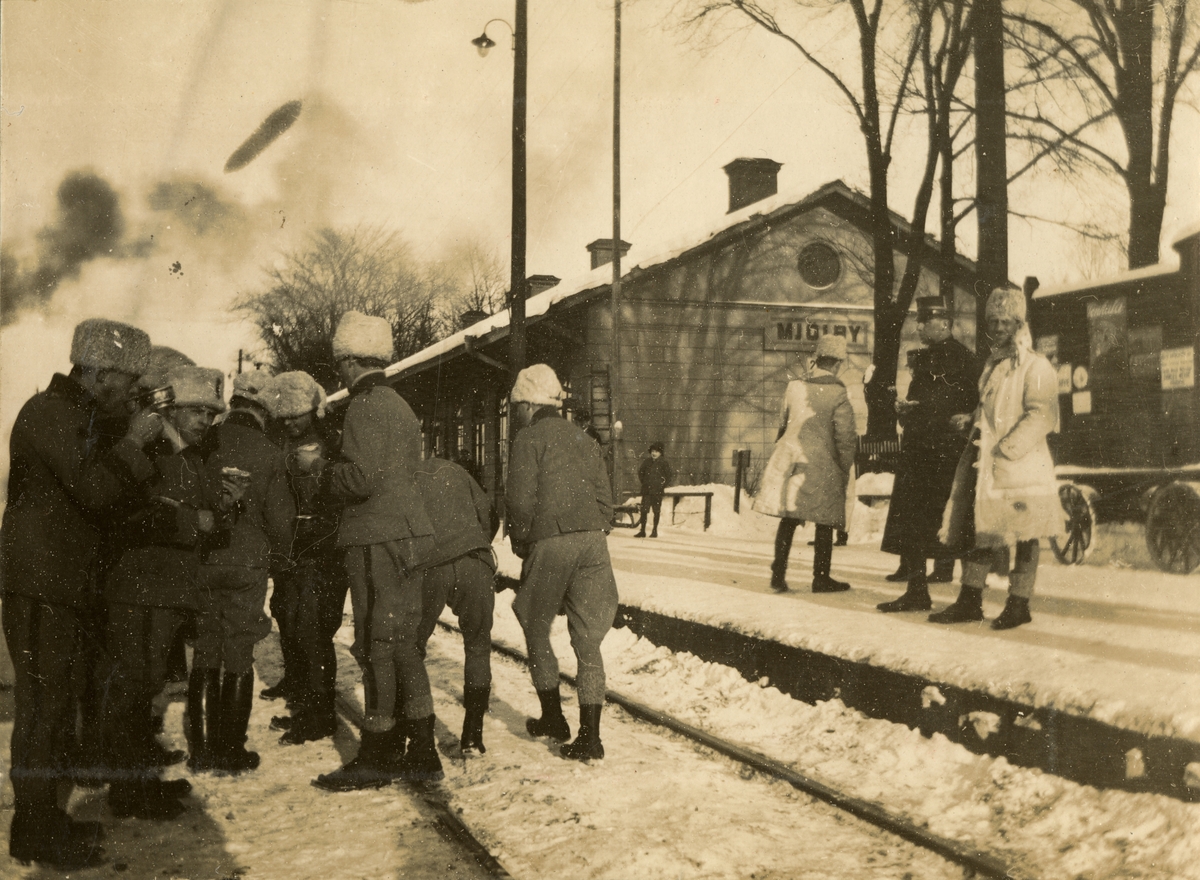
x: 977, y: 863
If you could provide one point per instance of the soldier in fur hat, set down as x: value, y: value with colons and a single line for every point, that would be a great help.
x: 153, y: 587
x: 308, y: 597
x: 62, y: 481
x: 560, y: 509
x: 387, y: 538
x: 233, y: 580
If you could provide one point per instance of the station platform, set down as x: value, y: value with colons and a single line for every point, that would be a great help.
x: 1103, y: 687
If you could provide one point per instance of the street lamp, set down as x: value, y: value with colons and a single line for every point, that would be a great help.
x: 516, y: 288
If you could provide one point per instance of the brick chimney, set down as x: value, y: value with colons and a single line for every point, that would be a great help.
x: 535, y: 284
x: 751, y: 180
x: 601, y: 251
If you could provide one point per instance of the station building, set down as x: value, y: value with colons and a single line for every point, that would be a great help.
x: 710, y: 333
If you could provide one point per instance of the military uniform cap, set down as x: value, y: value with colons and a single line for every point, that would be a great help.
x: 932, y: 307
x: 103, y: 344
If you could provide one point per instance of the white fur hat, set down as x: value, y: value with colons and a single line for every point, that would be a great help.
x: 162, y: 360
x: 198, y: 386
x: 831, y: 346
x: 297, y: 393
x: 257, y: 386
x: 1006, y: 302
x: 537, y: 384
x: 110, y: 345
x: 363, y: 336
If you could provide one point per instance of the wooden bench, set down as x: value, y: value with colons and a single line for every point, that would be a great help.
x: 676, y: 495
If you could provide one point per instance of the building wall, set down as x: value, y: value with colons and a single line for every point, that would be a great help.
x: 710, y: 342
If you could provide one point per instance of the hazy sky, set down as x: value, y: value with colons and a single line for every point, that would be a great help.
x: 405, y: 126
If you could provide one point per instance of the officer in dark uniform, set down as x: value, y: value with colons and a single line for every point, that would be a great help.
x: 945, y: 376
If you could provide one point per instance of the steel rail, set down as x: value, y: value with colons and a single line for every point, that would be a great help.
x: 983, y: 864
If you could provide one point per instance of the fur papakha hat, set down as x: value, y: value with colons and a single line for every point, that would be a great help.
x: 539, y: 385
x: 162, y: 360
x: 1006, y: 302
x: 257, y: 386
x: 297, y: 393
x: 363, y: 336
x: 830, y: 346
x: 198, y: 386
x: 110, y: 345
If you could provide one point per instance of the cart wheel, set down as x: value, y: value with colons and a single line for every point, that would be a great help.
x: 1173, y: 528
x: 1071, y: 547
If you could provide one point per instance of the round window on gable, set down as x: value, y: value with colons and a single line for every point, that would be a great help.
x: 819, y: 265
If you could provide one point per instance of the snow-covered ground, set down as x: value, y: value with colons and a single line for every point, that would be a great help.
x: 660, y: 807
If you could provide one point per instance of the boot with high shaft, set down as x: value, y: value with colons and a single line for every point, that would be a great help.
x: 475, y: 704
x: 204, y: 718
x: 915, y: 598
x: 552, y: 723
x: 237, y: 699
x: 421, y: 762
x: 967, y: 608
x: 587, y: 745
x: 1015, y: 613
x: 823, y: 563
x: 365, y: 770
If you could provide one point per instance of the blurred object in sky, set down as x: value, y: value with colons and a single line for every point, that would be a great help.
x: 273, y: 126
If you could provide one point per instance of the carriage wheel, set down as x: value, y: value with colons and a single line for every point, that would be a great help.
x: 1173, y: 528
x: 1071, y: 547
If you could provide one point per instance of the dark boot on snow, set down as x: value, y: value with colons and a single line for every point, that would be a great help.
x: 915, y: 598
x: 421, y: 762
x: 552, y: 723
x: 204, y: 718
x: 587, y: 745
x: 237, y: 699
x: 364, y: 771
x: 50, y: 838
x: 475, y: 704
x: 967, y: 608
x: 1015, y: 613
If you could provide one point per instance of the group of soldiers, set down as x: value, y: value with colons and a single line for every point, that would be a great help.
x: 975, y: 476
x: 142, y: 508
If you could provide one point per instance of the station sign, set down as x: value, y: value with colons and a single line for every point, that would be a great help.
x: 1178, y: 368
x: 799, y: 330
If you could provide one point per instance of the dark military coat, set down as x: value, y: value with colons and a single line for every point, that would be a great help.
x: 945, y: 379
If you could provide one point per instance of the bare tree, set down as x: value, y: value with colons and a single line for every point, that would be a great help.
x: 364, y: 269
x: 481, y: 279
x: 1098, y: 73
x: 918, y: 56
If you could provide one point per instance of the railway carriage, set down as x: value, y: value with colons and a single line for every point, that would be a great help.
x: 1128, y: 448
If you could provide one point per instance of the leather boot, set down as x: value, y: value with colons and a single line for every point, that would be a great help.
x: 900, y: 575
x: 363, y: 771
x: 308, y: 725
x: 587, y: 745
x: 421, y: 762
x: 395, y: 745
x: 1015, y: 613
x: 943, y: 571
x: 237, y: 699
x: 204, y: 718
x: 915, y: 598
x: 783, y: 549
x: 967, y: 608
x: 285, y: 690
x: 823, y: 562
x: 475, y: 704
x: 552, y: 723
x: 50, y: 838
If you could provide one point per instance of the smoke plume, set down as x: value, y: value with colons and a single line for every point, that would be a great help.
x: 89, y: 223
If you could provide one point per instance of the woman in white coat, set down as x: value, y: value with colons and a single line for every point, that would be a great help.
x: 805, y: 479
x: 1011, y: 497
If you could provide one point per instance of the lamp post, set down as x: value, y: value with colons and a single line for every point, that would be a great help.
x: 614, y: 379
x: 516, y: 288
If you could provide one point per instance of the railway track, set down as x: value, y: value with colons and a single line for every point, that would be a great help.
x: 975, y: 863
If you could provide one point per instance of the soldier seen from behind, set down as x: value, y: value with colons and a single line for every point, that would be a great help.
x: 945, y: 376
x: 386, y: 538
x: 809, y: 470
x: 560, y: 509
x: 461, y: 574
x: 62, y: 483
x: 309, y: 595
x: 233, y: 581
